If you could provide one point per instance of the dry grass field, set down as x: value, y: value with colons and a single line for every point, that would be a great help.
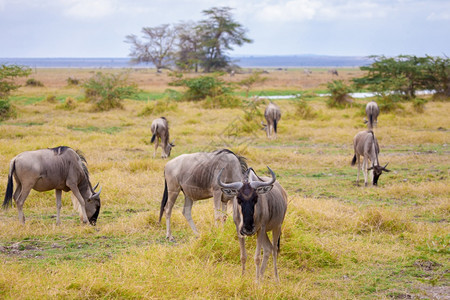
x: 339, y: 240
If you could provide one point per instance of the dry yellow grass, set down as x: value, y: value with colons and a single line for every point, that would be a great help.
x: 339, y: 241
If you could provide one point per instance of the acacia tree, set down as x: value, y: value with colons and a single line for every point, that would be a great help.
x: 406, y: 74
x: 157, y: 46
x: 219, y: 33
x: 188, y: 54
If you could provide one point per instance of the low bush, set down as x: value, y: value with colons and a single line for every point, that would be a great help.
x: 303, y: 110
x: 158, y: 107
x: 69, y: 104
x: 73, y: 81
x: 51, y: 99
x: 7, y: 110
x: 33, y: 82
x: 107, y: 91
x: 339, y: 94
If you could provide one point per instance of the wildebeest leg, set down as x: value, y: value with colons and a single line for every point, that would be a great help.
x: 172, y: 197
x: 276, y: 233
x: 267, y: 249
x: 76, y: 192
x: 243, y: 252
x: 258, y: 254
x: 156, y: 146
x: 187, y: 213
x: 364, y: 169
x: 219, y: 213
x: 359, y: 168
x: 21, y: 197
x: 58, y: 206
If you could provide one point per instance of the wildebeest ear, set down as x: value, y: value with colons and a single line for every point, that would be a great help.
x: 229, y: 192
x: 264, y: 189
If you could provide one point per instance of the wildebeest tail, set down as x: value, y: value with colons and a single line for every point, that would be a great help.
x: 164, y: 200
x: 275, y: 125
x: 354, y: 160
x: 278, y: 244
x: 371, y: 119
x: 10, y: 186
x: 154, y: 135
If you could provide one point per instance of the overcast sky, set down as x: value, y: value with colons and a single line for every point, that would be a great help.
x: 97, y: 28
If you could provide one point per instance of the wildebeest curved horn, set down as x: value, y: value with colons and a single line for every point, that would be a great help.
x: 384, y: 168
x: 385, y: 165
x: 98, y: 193
x: 234, y: 185
x: 257, y: 184
x: 96, y: 186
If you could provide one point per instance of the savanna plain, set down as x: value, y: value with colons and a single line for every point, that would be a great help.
x: 339, y: 240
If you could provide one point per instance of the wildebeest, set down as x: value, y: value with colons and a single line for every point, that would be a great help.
x: 273, y: 116
x: 160, y: 130
x: 196, y: 175
x: 372, y: 112
x: 333, y: 72
x: 307, y: 72
x: 259, y: 207
x: 59, y: 169
x: 366, y: 144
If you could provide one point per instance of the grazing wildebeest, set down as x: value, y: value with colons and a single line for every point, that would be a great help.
x: 307, y: 72
x: 160, y: 130
x: 196, y: 175
x: 372, y: 112
x: 333, y: 72
x: 273, y: 116
x: 366, y: 144
x: 59, y: 169
x: 259, y: 207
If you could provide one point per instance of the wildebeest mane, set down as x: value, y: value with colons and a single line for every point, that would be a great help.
x: 59, y: 150
x: 242, y: 160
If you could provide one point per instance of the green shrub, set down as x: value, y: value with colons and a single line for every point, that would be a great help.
x: 107, y: 91
x: 303, y: 110
x: 419, y: 104
x: 69, y: 104
x: 222, y: 101
x: 158, y: 107
x: 201, y: 87
x: 51, y: 98
x: 7, y: 110
x: 73, y: 81
x: 34, y: 82
x: 339, y: 94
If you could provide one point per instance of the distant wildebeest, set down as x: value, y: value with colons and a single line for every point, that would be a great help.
x: 259, y: 207
x: 307, y: 72
x: 196, y: 175
x: 372, y: 112
x: 160, y: 130
x: 273, y: 116
x: 366, y: 144
x: 333, y: 72
x: 59, y: 169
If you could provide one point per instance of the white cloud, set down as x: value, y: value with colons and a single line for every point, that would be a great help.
x: 89, y: 8
x: 294, y: 10
x: 439, y: 16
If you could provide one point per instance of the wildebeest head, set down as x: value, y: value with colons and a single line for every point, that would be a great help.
x: 93, y: 206
x: 169, y: 148
x: 377, y: 171
x: 247, y: 195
